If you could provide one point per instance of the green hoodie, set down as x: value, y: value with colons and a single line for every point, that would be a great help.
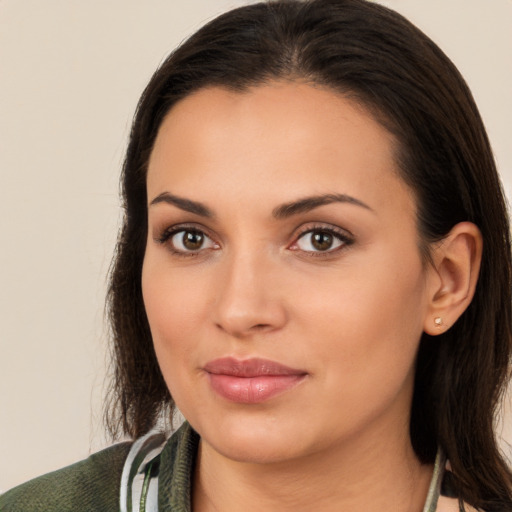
x: 93, y: 485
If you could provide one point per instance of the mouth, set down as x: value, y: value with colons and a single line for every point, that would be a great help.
x: 251, y: 381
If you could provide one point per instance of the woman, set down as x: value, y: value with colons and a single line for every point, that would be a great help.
x: 315, y: 268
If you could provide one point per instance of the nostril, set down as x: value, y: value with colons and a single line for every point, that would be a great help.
x: 240, y: 332
x: 260, y: 327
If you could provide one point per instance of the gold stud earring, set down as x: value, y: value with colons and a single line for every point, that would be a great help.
x: 438, y: 321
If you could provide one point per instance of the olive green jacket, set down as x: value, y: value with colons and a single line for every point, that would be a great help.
x: 104, y: 481
x: 94, y: 484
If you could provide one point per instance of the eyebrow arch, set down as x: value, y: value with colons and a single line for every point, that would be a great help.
x: 283, y: 211
x: 307, y: 204
x: 183, y: 204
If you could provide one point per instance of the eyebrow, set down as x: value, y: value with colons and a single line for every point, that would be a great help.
x: 283, y: 211
x: 307, y: 204
x: 183, y: 204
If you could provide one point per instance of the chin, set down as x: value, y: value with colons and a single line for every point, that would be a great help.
x: 250, y: 439
x: 256, y: 449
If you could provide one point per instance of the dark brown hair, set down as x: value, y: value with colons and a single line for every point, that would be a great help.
x: 379, y: 59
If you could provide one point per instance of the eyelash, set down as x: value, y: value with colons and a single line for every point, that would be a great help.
x: 167, y: 234
x: 344, y: 237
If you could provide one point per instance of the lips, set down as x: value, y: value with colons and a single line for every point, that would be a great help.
x: 251, y: 381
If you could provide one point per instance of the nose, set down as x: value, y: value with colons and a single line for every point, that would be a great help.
x: 249, y: 297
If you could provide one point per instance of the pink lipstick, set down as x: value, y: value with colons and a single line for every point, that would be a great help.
x: 251, y: 381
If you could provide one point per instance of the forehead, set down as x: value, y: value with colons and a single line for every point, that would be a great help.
x: 271, y: 141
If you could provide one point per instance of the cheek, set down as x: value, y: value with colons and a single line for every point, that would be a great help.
x: 174, y: 297
x: 177, y: 306
x: 368, y: 324
x: 175, y: 311
x: 382, y: 293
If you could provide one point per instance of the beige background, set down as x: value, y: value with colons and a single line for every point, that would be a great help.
x: 70, y: 76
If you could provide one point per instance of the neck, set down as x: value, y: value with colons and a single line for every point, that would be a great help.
x: 382, y: 475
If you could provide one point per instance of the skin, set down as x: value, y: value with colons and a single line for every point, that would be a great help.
x: 349, y: 317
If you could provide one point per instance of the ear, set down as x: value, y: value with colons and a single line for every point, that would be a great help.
x: 452, y: 276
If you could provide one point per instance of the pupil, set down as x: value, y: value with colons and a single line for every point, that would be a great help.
x: 322, y: 241
x: 192, y: 240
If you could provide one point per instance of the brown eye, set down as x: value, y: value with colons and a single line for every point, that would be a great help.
x: 320, y: 240
x: 190, y: 240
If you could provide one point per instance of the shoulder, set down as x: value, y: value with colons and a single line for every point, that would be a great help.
x: 92, y: 484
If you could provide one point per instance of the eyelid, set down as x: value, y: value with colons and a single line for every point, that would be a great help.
x: 165, y: 235
x: 343, y: 235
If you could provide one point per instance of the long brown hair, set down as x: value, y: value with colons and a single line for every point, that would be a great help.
x: 381, y: 60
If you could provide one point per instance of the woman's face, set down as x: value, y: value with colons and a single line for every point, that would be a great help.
x: 282, y: 278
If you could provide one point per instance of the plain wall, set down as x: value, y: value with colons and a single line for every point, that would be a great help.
x: 71, y: 73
